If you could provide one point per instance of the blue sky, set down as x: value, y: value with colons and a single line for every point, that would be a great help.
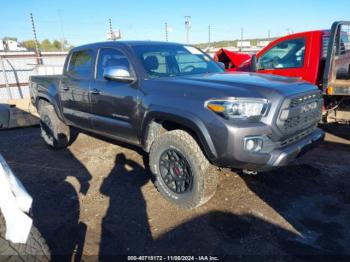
x: 87, y: 21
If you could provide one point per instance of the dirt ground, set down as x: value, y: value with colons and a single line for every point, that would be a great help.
x: 97, y: 198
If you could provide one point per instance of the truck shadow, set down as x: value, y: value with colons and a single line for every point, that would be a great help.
x: 339, y: 130
x: 313, y: 198
x: 56, y: 206
x: 126, y: 229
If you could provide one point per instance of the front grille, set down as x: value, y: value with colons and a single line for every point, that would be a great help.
x: 299, y: 113
x: 297, y: 137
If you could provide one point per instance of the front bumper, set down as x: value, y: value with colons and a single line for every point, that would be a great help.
x: 283, y: 156
x: 236, y: 157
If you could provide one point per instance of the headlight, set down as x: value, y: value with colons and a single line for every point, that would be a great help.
x: 239, y: 108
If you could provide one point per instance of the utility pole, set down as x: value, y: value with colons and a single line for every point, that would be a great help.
x: 209, y: 36
x: 166, y: 32
x: 37, y: 50
x: 111, y: 30
x: 187, y: 27
x: 61, y: 24
x: 242, y: 34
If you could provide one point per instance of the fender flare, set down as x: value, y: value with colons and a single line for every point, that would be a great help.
x: 185, y: 119
x: 52, y: 101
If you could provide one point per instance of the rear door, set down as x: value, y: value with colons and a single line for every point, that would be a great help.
x: 114, y: 104
x: 75, y: 89
x: 286, y: 58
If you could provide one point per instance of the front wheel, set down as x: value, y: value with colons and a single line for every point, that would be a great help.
x: 183, y: 175
x: 34, y: 250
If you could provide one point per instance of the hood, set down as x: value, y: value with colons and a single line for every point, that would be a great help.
x: 246, y: 84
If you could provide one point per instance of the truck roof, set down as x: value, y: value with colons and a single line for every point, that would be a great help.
x: 123, y: 43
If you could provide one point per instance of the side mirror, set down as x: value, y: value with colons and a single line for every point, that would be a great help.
x: 221, y: 64
x: 253, y: 63
x: 118, y: 73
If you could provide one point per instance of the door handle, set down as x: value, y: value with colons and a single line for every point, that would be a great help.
x: 95, y: 91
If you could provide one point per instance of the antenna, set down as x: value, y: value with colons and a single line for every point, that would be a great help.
x: 37, y: 50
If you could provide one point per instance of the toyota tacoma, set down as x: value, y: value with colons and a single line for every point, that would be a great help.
x: 181, y: 107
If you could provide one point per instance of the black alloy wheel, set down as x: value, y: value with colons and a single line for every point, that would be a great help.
x: 175, y: 171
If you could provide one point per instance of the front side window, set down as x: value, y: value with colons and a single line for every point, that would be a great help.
x: 111, y: 57
x: 287, y: 54
x: 80, y: 64
x: 167, y: 60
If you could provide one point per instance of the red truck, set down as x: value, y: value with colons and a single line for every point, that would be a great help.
x: 321, y: 57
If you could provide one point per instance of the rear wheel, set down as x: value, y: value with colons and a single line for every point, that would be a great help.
x: 54, y: 132
x: 34, y: 250
x: 183, y: 175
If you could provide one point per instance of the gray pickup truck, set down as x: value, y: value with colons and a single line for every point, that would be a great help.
x: 180, y: 106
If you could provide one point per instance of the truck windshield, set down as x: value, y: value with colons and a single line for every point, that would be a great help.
x: 174, y: 60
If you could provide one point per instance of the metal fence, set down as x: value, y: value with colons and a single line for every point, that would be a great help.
x: 16, y: 68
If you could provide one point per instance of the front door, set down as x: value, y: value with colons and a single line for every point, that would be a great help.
x: 114, y: 104
x: 285, y: 58
x: 75, y: 89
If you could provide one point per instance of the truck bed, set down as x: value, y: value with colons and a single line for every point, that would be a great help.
x: 41, y: 84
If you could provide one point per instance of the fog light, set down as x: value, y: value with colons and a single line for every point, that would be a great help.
x: 253, y: 144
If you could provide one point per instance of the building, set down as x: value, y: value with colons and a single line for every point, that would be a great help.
x: 243, y: 44
x: 263, y: 43
x: 11, y: 45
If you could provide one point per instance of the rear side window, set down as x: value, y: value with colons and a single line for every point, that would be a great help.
x: 287, y: 54
x: 80, y: 64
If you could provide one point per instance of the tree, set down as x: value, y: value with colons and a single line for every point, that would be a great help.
x: 46, y: 45
x: 29, y: 44
x: 57, y: 45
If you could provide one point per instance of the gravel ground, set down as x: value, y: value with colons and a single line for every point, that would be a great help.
x: 96, y: 198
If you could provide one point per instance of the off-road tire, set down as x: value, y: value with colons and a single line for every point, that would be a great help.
x: 205, y: 176
x: 34, y: 250
x: 54, y: 132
